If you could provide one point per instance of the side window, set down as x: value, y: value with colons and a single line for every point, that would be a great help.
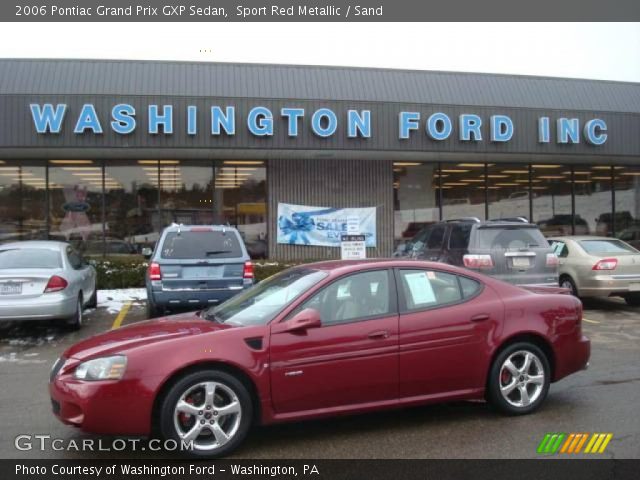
x: 352, y: 298
x: 469, y: 287
x: 460, y: 236
x: 425, y: 289
x: 560, y: 249
x: 434, y: 241
x: 74, y: 259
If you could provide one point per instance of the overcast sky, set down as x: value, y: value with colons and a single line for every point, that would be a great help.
x: 585, y: 50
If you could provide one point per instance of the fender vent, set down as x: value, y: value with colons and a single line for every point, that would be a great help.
x: 254, y: 343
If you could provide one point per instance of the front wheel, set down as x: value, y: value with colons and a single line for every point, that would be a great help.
x: 209, y: 410
x: 75, y: 322
x: 519, y: 379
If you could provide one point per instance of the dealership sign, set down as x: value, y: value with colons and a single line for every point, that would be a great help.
x: 261, y: 121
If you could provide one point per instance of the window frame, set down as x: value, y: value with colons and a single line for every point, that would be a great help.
x: 402, y: 300
x: 393, y: 298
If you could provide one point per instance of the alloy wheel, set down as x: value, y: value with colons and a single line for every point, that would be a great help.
x: 522, y: 378
x: 207, y: 414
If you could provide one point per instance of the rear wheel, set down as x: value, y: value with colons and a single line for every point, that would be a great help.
x: 632, y: 300
x: 93, y: 301
x: 567, y: 282
x: 152, y: 310
x: 519, y: 379
x: 211, y: 409
x: 75, y: 322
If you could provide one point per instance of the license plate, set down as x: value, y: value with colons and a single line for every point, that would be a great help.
x: 520, y: 262
x: 634, y: 287
x: 202, y: 272
x: 10, y: 288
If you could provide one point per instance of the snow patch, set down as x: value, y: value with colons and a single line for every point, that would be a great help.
x: 114, y: 300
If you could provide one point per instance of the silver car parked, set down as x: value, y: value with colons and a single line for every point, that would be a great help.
x: 45, y: 280
x: 598, y: 267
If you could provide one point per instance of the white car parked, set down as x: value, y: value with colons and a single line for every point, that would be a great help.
x: 45, y: 280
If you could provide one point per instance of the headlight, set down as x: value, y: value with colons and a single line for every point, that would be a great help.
x: 106, y: 368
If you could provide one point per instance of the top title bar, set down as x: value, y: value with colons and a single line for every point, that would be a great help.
x: 316, y: 10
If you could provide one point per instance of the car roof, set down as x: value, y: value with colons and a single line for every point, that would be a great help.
x: 215, y: 228
x: 339, y: 267
x: 49, y: 244
x: 577, y: 238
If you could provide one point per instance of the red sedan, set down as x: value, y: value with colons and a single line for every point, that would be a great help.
x: 320, y: 340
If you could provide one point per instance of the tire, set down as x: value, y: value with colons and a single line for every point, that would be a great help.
x: 203, y: 418
x: 93, y: 301
x: 75, y: 322
x: 152, y: 310
x: 632, y: 300
x: 505, y: 389
x: 567, y: 282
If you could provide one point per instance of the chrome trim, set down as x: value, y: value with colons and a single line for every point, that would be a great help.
x: 294, y: 373
x: 630, y: 276
x: 519, y: 254
x: 233, y: 287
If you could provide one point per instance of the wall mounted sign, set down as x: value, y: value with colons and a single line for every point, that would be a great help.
x: 261, y: 121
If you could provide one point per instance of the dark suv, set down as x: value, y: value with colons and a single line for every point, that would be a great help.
x: 195, y: 266
x: 514, y: 251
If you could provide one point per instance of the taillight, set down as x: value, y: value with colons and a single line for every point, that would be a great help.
x: 478, y: 261
x: 552, y: 260
x: 606, y: 264
x: 55, y: 284
x: 154, y: 272
x: 247, y: 272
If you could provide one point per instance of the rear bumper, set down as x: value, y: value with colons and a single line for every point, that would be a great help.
x: 47, y: 306
x: 191, y: 298
x: 609, y: 285
x: 572, y: 357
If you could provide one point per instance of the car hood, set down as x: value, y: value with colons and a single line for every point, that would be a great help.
x: 143, y: 333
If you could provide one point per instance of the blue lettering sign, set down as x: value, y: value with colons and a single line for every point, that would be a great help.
x: 165, y: 119
x: 327, y: 116
x: 568, y: 130
x: 359, y: 124
x: 292, y: 115
x: 192, y: 120
x: 123, y: 121
x: 501, y: 128
x: 88, y: 120
x: 408, y: 121
x: 46, y: 119
x: 593, y: 131
x: 470, y: 126
x: 439, y: 126
x: 260, y: 121
x: 544, y: 130
x: 220, y: 121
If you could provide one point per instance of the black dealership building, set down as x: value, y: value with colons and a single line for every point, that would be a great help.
x: 107, y: 153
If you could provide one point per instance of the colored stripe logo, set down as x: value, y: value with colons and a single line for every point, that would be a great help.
x: 572, y: 443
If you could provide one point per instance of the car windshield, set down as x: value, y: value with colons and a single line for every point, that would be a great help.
x: 201, y: 244
x: 511, y: 238
x: 262, y: 302
x: 29, y: 258
x: 606, y: 246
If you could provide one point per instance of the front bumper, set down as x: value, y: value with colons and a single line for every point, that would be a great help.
x: 110, y: 407
x: 46, y: 306
x: 609, y: 285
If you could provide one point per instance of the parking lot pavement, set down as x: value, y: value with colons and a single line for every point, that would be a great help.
x: 604, y: 398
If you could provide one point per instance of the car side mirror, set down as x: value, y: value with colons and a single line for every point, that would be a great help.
x: 146, y: 252
x: 301, y: 321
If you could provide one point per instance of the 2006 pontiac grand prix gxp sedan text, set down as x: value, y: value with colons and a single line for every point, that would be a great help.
x: 319, y: 340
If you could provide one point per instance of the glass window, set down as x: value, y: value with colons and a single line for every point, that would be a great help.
x: 131, y: 199
x: 469, y: 287
x: 415, y: 198
x: 426, y: 289
x: 463, y: 190
x: 559, y: 248
x: 29, y: 258
x: 508, y: 190
x: 627, y: 221
x: 75, y: 189
x: 261, y: 303
x: 200, y: 244
x: 596, y: 247
x: 75, y: 260
x: 551, y: 192
x: 459, y: 236
x: 186, y: 192
x: 22, y: 200
x: 510, y: 237
x: 355, y: 297
x: 241, y: 201
x: 593, y: 200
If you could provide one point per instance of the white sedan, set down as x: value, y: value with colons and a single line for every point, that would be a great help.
x: 41, y: 280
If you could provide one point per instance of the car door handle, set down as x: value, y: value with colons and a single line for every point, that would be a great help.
x: 379, y: 334
x: 480, y: 317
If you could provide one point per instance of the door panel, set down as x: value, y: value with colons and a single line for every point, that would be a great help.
x: 447, y: 348
x: 335, y: 365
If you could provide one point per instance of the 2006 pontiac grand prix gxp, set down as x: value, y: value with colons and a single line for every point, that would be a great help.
x: 319, y: 340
